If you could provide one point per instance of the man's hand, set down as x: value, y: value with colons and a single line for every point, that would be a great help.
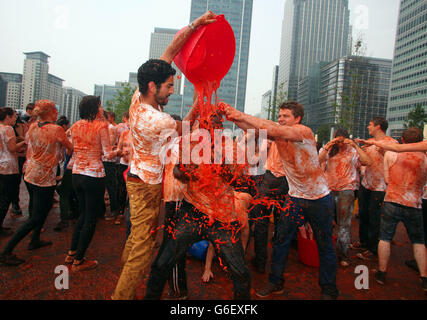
x: 207, y: 18
x: 363, y: 141
x: 230, y: 113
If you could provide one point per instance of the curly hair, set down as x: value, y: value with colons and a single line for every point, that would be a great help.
x: 89, y: 107
x: 154, y: 70
x: 43, y: 107
x: 296, y: 108
x: 412, y: 135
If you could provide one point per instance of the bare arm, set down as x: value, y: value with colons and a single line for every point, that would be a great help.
x: 274, y: 130
x: 177, y: 43
x: 388, y: 161
x: 62, y: 138
x: 365, y: 160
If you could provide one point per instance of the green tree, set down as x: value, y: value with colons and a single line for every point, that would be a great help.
x: 121, y: 101
x: 277, y: 100
x: 417, y: 117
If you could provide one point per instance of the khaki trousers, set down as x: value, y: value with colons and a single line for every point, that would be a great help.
x: 144, y: 202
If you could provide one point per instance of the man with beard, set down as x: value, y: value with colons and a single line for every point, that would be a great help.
x: 149, y: 129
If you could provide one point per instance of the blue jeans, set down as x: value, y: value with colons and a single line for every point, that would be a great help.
x: 319, y: 213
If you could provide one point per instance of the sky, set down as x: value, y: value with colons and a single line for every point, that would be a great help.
x: 100, y: 41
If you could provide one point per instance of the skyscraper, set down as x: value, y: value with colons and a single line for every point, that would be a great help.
x: 312, y: 31
x: 239, y: 14
x: 160, y: 39
x: 409, y: 75
x: 70, y: 103
x: 37, y: 83
x: 10, y: 90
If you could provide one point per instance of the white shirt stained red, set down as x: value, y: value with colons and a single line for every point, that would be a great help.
x: 373, y: 178
x: 90, y: 141
x: 407, y: 176
x: 302, y: 169
x: 149, y: 130
x: 342, y: 170
x: 8, y: 160
x: 45, y: 153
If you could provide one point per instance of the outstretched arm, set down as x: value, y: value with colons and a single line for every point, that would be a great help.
x: 178, y: 42
x: 274, y: 130
x: 365, y: 160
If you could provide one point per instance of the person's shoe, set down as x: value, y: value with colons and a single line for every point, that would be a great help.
x: 83, y: 265
x: 39, y: 244
x: 380, y: 277
x: 257, y: 267
x: 270, y: 289
x: 5, y: 232
x: 344, y: 263
x: 357, y: 245
x: 172, y: 295
x: 330, y: 292
x: 118, y: 220
x: 60, y: 226
x: 16, y: 210
x: 412, y: 264
x: 424, y: 283
x: 110, y: 216
x: 10, y: 260
x: 366, y: 255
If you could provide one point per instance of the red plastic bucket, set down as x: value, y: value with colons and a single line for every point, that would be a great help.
x: 308, y: 252
x: 208, y: 54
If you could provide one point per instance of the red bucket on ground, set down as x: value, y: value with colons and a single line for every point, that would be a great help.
x: 209, y: 52
x: 308, y: 252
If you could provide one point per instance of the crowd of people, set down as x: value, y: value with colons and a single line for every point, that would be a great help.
x: 298, y: 189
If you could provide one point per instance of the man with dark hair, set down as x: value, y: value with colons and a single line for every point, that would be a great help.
x: 406, y: 175
x: 372, y: 191
x: 308, y: 191
x: 150, y: 128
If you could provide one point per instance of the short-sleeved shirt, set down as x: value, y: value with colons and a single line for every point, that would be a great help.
x: 342, y: 170
x: 149, y: 130
x: 126, y: 147
x: 114, y: 139
x: 274, y: 161
x: 302, y: 169
x: 373, y: 178
x: 8, y: 160
x: 45, y: 153
x: 407, y: 177
x: 90, y: 141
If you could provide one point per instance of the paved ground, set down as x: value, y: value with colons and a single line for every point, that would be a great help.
x: 34, y: 280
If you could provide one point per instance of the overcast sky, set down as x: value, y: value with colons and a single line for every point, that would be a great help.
x: 101, y: 41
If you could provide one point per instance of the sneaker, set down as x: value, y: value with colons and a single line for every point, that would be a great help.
x: 380, y: 277
x: 357, y: 245
x: 39, y: 244
x: 110, y: 216
x: 118, y: 220
x: 344, y: 263
x: 270, y: 289
x: 412, y: 264
x: 172, y: 295
x: 424, y: 283
x: 60, y: 226
x: 10, y: 260
x: 366, y: 255
x: 257, y: 267
x: 84, y: 265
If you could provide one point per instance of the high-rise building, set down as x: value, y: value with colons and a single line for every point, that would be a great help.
x: 354, y: 84
x: 37, y: 83
x: 239, y: 14
x: 107, y: 92
x: 70, y: 103
x: 160, y: 39
x: 10, y: 90
x: 266, y: 105
x: 312, y: 31
x: 409, y: 75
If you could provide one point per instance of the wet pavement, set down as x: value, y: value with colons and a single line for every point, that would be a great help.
x: 35, y: 279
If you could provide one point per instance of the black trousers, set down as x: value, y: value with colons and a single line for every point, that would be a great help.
x: 15, y: 200
x: 8, y: 189
x: 425, y: 220
x: 41, y: 200
x: 67, y: 197
x: 90, y: 195
x: 370, y: 203
x: 121, y: 188
x: 271, y: 188
x: 193, y: 226
x: 111, y: 183
x: 177, y: 278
